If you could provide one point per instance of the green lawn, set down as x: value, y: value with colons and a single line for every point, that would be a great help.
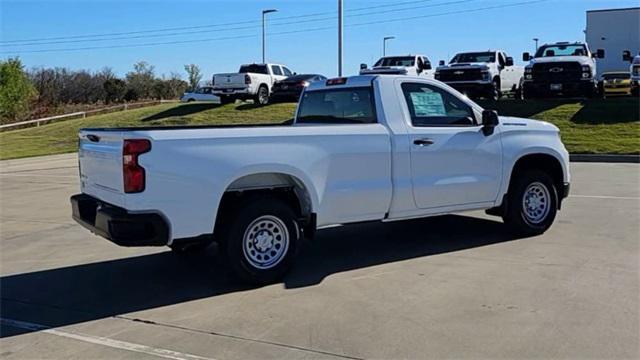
x: 593, y: 126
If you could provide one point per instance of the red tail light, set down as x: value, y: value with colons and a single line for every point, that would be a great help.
x: 247, y: 79
x: 133, y: 173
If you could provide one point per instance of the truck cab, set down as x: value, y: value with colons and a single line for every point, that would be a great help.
x: 411, y: 65
x: 561, y: 69
x: 489, y: 74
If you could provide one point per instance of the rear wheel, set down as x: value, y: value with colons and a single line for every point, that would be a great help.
x: 261, y: 240
x: 518, y: 94
x: 532, y: 203
x: 262, y: 97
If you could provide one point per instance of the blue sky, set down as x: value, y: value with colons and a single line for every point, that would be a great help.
x: 438, y: 36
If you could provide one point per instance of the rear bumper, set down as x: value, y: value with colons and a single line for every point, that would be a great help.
x: 117, y: 224
x: 231, y: 91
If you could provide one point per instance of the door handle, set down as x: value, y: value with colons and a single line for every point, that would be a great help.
x: 423, y: 142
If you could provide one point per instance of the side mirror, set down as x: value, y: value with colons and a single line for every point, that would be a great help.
x: 600, y: 53
x: 509, y: 61
x: 489, y: 121
x: 626, y: 56
x: 295, y: 73
x: 526, y: 56
x: 363, y: 66
x: 441, y: 63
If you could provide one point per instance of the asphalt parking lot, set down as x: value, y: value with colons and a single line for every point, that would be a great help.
x: 453, y: 286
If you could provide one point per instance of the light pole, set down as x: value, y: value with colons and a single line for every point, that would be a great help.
x: 384, y: 44
x: 264, y: 33
x: 340, y: 37
x: 536, y: 40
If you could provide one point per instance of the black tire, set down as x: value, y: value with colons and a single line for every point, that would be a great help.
x: 261, y: 240
x: 540, y: 189
x: 192, y: 248
x: 495, y: 94
x: 519, y: 94
x: 262, y: 97
x: 226, y: 100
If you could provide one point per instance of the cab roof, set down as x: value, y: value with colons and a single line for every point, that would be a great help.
x: 351, y: 81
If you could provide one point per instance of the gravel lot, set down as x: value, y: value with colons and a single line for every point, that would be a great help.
x: 453, y: 286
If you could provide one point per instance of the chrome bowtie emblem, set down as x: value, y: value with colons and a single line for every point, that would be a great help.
x: 556, y: 70
x: 459, y: 72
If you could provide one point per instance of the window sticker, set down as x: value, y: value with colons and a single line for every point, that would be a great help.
x: 428, y: 104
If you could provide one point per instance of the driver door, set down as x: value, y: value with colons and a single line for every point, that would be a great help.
x: 453, y: 163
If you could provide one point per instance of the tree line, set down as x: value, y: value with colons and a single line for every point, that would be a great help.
x: 25, y: 92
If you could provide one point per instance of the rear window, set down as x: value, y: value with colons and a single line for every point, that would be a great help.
x: 339, y: 106
x: 396, y: 61
x: 254, y: 68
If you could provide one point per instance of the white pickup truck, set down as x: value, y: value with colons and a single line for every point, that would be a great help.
x: 488, y: 74
x: 412, y: 65
x: 561, y: 69
x: 252, y: 81
x: 363, y: 148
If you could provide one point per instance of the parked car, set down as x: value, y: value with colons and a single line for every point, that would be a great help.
x: 252, y: 81
x: 634, y: 70
x: 413, y: 65
x: 562, y: 68
x: 291, y: 87
x: 616, y: 83
x: 489, y: 74
x: 363, y: 148
x: 204, y: 93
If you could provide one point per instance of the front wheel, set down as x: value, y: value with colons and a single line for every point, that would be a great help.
x: 262, y: 240
x: 494, y: 93
x: 532, y: 203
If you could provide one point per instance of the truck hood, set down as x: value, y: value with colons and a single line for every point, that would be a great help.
x: 583, y: 60
x: 510, y: 123
x: 482, y: 66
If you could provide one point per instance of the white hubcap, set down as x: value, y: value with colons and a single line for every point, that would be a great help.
x: 265, y: 242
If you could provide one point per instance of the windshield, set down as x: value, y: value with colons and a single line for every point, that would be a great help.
x: 481, y: 57
x: 254, y: 68
x: 340, y: 106
x: 396, y: 61
x: 562, y: 50
x: 612, y: 76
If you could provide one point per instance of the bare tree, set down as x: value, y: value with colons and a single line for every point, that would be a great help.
x: 195, y: 75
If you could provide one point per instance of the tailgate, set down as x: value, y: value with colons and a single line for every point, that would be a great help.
x: 100, y: 161
x: 235, y: 80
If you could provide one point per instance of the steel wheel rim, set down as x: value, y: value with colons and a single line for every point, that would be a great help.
x: 536, y: 203
x: 265, y: 242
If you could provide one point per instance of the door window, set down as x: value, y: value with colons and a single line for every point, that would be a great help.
x: 432, y: 106
x: 275, y: 69
x: 287, y: 72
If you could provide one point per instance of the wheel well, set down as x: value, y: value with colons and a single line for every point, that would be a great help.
x: 283, y: 186
x: 543, y: 162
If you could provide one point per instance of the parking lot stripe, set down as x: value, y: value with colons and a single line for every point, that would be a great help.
x: 123, y: 345
x: 605, y: 197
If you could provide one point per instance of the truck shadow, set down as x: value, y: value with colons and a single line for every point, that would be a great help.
x: 608, y: 111
x: 76, y: 294
x: 182, y: 110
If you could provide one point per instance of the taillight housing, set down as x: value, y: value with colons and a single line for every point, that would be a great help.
x: 247, y: 79
x: 133, y: 174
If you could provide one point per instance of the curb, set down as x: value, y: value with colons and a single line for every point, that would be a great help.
x: 630, y: 159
